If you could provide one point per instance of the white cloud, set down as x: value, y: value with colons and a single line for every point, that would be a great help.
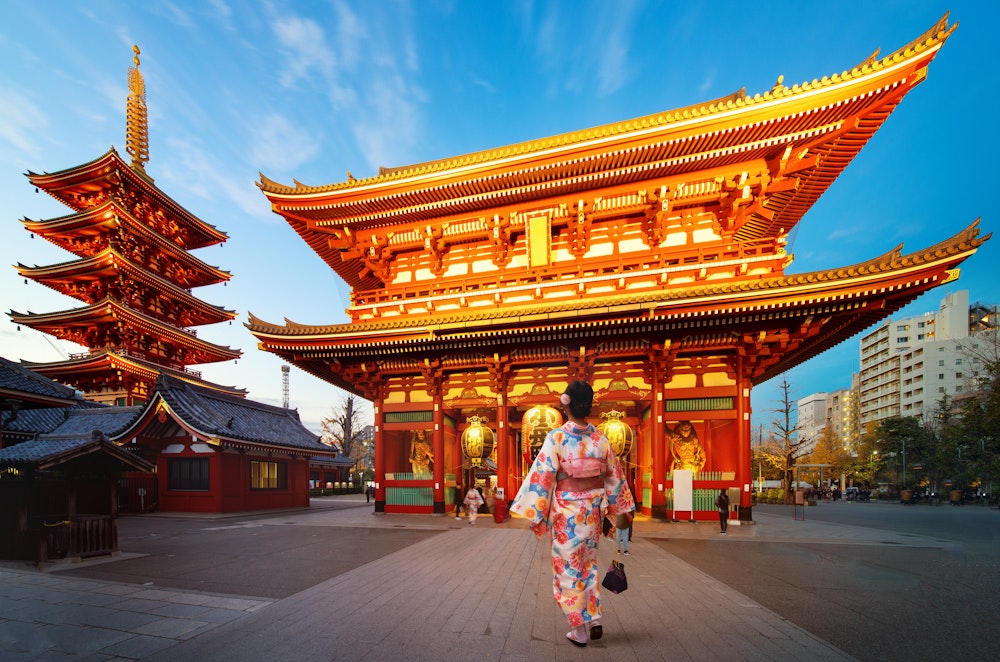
x: 392, y: 121
x: 20, y: 121
x: 282, y: 145
x: 305, y: 44
x: 203, y: 176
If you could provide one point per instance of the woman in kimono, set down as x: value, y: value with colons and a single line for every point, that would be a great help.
x: 572, y: 475
x: 473, y: 501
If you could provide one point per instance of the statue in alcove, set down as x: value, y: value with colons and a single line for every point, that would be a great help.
x: 685, y: 448
x: 421, y: 455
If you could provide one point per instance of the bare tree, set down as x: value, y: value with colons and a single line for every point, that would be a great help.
x: 345, y: 429
x: 784, y: 447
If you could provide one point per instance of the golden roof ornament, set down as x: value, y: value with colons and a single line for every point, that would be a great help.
x: 136, y: 120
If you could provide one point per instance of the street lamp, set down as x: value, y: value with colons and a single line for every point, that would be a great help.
x: 904, y: 464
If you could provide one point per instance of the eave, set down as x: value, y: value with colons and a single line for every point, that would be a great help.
x: 109, y: 265
x: 98, y: 223
x: 112, y: 312
x: 103, y: 362
x: 108, y: 171
x: 810, y: 131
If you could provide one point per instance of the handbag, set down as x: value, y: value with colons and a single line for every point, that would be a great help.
x: 615, y: 580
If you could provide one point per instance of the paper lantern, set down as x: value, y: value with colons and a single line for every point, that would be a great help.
x: 535, y: 424
x: 477, y: 441
x: 617, y: 431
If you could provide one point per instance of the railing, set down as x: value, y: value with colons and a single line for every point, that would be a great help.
x: 701, y: 499
x: 631, y: 265
x: 80, y: 536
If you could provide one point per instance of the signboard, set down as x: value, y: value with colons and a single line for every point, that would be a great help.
x: 683, y: 489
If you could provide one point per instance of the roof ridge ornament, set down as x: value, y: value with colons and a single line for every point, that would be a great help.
x: 136, y: 118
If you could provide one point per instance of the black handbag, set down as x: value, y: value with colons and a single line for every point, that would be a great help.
x: 615, y: 580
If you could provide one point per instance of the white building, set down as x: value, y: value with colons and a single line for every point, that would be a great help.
x: 811, y: 419
x: 838, y: 410
x: 909, y: 365
x: 843, y: 414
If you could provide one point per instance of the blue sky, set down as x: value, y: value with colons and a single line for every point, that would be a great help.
x: 312, y: 90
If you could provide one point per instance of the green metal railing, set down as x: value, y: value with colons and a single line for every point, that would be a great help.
x: 701, y: 499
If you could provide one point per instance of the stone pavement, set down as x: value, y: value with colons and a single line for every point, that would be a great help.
x: 468, y: 592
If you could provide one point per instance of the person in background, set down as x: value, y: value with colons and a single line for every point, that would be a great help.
x: 459, y: 496
x: 722, y: 503
x: 623, y: 526
x: 500, y: 511
x: 572, y: 475
x: 473, y: 501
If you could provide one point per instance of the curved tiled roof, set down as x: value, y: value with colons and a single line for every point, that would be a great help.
x: 82, y: 422
x: 17, y: 380
x: 934, y: 36
x: 107, y: 309
x: 800, y: 137
x: 42, y: 420
x: 111, y: 166
x: 109, y: 261
x: 60, y: 230
x: 47, y: 452
x: 234, y: 419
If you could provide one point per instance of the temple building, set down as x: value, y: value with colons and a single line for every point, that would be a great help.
x: 133, y: 271
x: 646, y: 257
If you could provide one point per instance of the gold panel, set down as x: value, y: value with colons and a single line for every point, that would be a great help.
x: 539, y: 239
x: 717, y: 379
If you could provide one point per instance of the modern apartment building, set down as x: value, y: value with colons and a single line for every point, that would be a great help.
x: 909, y: 365
x: 838, y: 409
x: 811, y: 418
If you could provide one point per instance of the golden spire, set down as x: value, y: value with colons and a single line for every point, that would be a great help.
x: 136, y: 121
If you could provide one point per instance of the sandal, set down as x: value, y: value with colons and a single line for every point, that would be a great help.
x: 596, y: 632
x: 578, y: 631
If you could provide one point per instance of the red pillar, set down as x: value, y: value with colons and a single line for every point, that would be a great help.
x: 744, y: 476
x: 659, y: 451
x: 379, y: 457
x: 437, y: 447
x: 504, y: 473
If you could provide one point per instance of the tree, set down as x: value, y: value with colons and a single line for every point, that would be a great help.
x: 902, y: 442
x: 783, y: 448
x: 829, y: 449
x: 345, y: 429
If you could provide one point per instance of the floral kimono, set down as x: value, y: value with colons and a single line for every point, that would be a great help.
x: 551, y: 499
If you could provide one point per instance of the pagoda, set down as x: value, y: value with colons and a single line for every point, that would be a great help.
x: 132, y: 270
x: 646, y: 257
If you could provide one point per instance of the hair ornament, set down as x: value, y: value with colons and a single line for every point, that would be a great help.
x: 564, y: 399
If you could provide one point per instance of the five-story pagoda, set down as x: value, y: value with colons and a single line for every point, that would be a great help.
x: 133, y: 271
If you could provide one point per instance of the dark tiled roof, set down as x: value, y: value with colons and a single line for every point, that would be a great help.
x: 44, y: 419
x: 51, y: 450
x: 39, y: 450
x: 230, y: 417
x: 17, y: 378
x: 339, y: 461
x: 81, y: 423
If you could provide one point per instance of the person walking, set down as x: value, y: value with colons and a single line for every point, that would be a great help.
x: 622, y: 530
x: 573, y: 474
x: 722, y: 503
x: 459, y: 496
x: 473, y: 500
